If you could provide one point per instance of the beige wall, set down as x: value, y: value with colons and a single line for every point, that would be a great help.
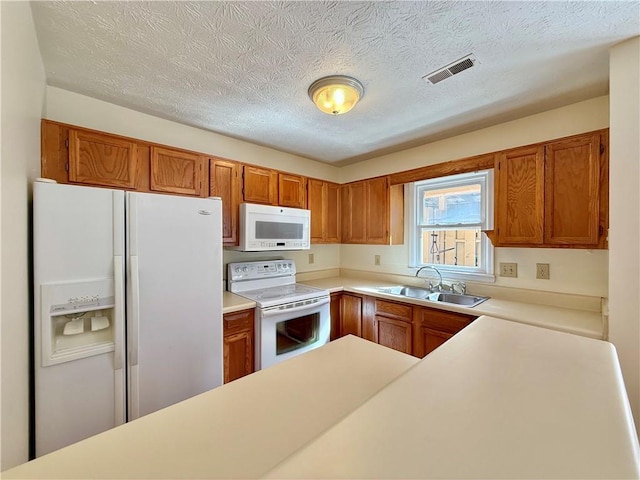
x: 68, y: 107
x: 624, y: 232
x: 561, y: 122
x: 23, y: 90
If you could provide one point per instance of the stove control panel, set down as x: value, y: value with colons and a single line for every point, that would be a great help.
x: 242, y: 271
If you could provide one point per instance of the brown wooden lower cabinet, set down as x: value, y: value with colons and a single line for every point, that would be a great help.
x: 351, y: 315
x: 393, y: 325
x: 238, y: 344
x: 433, y: 327
x: 408, y: 328
x: 336, y: 298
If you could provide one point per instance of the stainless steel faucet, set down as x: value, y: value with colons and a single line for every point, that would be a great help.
x: 439, y: 287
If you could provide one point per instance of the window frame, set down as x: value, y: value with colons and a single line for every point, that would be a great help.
x: 486, y: 180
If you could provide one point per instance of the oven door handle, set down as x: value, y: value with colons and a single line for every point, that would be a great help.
x: 272, y: 311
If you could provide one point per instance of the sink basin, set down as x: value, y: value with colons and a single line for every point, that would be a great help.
x: 440, y: 297
x: 415, y: 292
x: 456, y: 299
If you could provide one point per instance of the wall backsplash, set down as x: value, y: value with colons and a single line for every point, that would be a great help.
x: 325, y: 257
x: 574, y: 271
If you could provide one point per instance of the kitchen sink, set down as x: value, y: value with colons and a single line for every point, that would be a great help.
x: 456, y: 299
x: 440, y: 297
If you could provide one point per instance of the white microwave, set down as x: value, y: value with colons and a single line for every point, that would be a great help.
x: 267, y: 227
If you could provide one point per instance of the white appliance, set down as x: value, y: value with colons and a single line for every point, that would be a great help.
x: 267, y: 227
x: 290, y: 318
x: 110, y: 264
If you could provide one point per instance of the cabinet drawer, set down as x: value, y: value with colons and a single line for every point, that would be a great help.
x: 443, y: 321
x: 238, y: 322
x: 394, y: 310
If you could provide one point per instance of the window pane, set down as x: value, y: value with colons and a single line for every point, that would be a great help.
x: 460, y: 247
x: 451, y: 205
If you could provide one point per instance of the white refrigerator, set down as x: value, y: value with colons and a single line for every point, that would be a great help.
x: 127, y: 306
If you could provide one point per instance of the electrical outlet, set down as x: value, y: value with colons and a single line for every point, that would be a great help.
x: 509, y: 270
x: 376, y: 259
x: 542, y: 271
x: 311, y: 258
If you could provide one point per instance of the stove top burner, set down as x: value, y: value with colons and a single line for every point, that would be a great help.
x: 265, y: 297
x: 269, y: 283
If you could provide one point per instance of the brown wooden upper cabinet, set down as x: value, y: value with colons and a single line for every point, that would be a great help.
x: 177, y: 171
x: 292, y: 191
x: 101, y: 159
x: 260, y: 185
x: 572, y: 191
x: 224, y: 181
x: 520, y: 196
x: 368, y: 214
x: 324, y: 203
x: 554, y: 194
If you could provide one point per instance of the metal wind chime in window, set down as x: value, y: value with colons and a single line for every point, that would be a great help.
x: 435, y: 251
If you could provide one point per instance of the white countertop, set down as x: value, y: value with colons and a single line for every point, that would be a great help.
x: 499, y: 400
x: 234, y: 303
x: 579, y: 322
x: 241, y: 429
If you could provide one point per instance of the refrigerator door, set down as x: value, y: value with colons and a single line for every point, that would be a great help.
x: 174, y: 299
x: 78, y: 305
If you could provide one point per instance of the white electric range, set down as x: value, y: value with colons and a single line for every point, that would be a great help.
x: 290, y: 318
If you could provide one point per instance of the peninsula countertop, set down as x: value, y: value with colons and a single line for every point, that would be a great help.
x: 499, y: 400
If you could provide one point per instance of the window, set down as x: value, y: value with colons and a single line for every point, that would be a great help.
x: 447, y: 218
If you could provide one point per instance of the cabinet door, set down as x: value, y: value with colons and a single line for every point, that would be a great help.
x: 350, y: 315
x: 174, y: 171
x: 354, y: 211
x: 430, y: 340
x: 394, y: 334
x: 332, y: 214
x: 323, y: 200
x: 393, y: 325
x: 335, y: 315
x: 101, y: 159
x: 225, y: 183
x: 238, y: 346
x: 260, y: 185
x: 572, y: 191
x: 317, y: 203
x: 292, y: 191
x: 377, y: 211
x: 519, y: 196
x: 432, y: 327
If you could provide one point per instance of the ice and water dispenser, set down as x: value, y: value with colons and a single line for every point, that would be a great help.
x: 78, y: 320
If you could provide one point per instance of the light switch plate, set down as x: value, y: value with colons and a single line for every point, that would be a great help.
x: 311, y: 258
x: 376, y: 259
x: 508, y: 269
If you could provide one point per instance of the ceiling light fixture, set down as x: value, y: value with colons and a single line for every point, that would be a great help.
x: 336, y: 94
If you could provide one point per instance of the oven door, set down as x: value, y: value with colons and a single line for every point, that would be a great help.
x: 285, y: 331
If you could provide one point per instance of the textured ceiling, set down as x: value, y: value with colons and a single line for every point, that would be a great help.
x: 243, y: 68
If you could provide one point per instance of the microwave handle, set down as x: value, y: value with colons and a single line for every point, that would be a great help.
x: 268, y: 312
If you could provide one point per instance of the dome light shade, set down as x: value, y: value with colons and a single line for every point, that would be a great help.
x: 336, y: 94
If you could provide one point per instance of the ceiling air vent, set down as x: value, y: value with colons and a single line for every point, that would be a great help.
x: 450, y: 70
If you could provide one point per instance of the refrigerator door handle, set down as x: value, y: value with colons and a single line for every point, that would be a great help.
x: 119, y: 312
x: 134, y: 320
